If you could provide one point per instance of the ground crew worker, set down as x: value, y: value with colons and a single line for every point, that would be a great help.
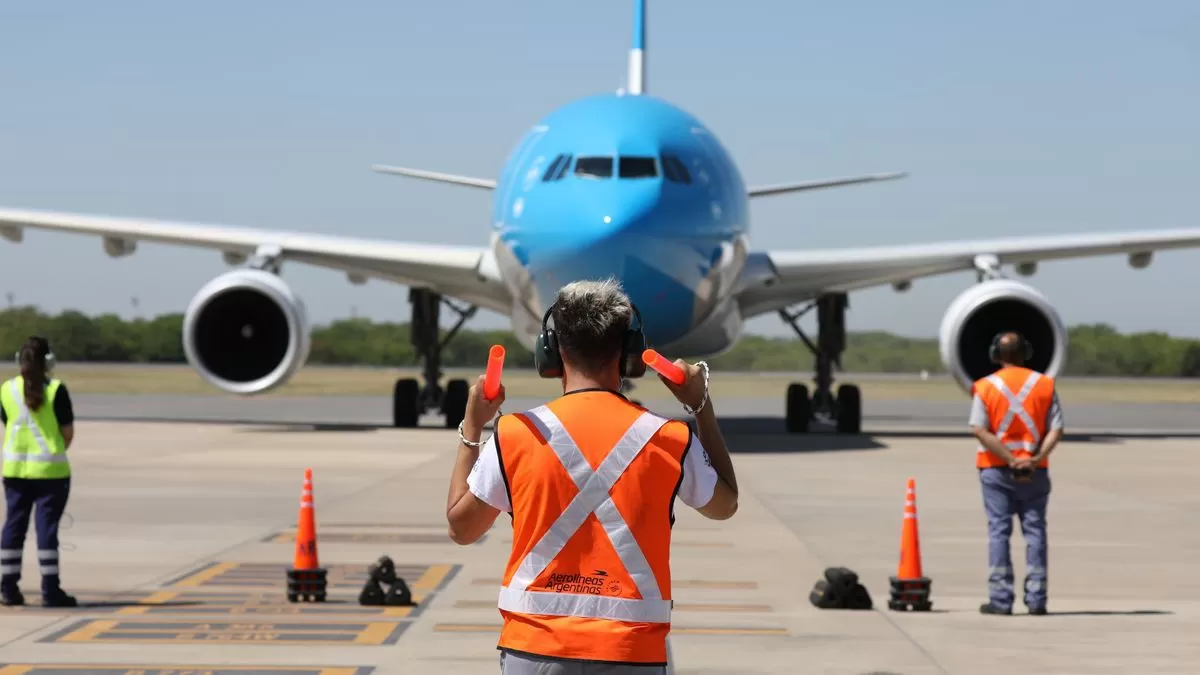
x: 38, y: 429
x: 589, y: 480
x: 1017, y: 418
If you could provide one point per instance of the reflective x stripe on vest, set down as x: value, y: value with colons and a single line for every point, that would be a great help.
x: 1016, y: 408
x: 20, y: 460
x: 593, y: 498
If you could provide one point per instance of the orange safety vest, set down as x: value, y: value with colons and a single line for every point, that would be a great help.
x: 592, y: 480
x: 1017, y: 419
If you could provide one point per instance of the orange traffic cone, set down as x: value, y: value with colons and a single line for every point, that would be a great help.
x: 910, y: 588
x: 306, y: 579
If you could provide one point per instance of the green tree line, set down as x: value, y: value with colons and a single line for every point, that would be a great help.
x: 1096, y: 349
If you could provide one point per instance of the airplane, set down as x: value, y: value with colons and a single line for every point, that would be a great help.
x: 622, y: 184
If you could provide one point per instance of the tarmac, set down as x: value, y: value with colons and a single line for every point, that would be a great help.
x: 180, y: 533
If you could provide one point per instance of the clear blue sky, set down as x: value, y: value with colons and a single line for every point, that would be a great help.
x: 1014, y: 118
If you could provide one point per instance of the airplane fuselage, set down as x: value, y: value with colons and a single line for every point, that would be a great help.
x: 631, y: 187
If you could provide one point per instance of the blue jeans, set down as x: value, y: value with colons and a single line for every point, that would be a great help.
x: 1004, y: 498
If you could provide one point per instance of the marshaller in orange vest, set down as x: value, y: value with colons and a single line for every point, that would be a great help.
x: 590, y: 481
x: 1016, y: 416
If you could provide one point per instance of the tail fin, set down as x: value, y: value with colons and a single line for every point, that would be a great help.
x: 637, y: 54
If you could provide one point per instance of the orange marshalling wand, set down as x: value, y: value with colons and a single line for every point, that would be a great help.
x: 910, y: 587
x: 664, y: 367
x: 491, y: 379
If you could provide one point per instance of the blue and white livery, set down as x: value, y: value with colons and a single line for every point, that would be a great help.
x: 623, y: 184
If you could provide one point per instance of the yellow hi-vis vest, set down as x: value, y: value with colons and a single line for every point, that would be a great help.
x: 33, y: 442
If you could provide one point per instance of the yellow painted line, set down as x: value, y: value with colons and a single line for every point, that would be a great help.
x: 88, y: 631
x: 495, y: 628
x: 16, y: 670
x: 433, y: 576
x: 376, y: 634
x: 206, y: 575
x: 145, y: 603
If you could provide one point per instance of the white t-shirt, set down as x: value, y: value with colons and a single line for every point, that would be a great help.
x: 486, y: 480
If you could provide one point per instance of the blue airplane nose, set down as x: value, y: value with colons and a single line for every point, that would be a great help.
x: 624, y: 208
x: 589, y: 213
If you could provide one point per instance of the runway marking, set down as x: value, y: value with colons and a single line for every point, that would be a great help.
x: 178, y: 602
x: 708, y: 584
x: 369, y: 538
x: 205, y: 574
x: 338, y: 577
x: 675, y: 630
x: 190, y: 632
x: 175, y: 669
x: 677, y: 607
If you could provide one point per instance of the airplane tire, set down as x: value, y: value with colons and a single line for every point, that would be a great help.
x: 404, y: 403
x: 454, y: 405
x: 797, y: 411
x: 849, y: 407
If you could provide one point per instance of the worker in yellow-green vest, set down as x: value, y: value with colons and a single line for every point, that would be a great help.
x: 38, y: 429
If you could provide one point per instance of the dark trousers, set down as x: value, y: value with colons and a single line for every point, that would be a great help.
x: 46, y: 500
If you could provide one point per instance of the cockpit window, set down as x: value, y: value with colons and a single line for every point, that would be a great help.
x: 553, y: 168
x: 594, y: 167
x: 637, y: 167
x: 675, y: 171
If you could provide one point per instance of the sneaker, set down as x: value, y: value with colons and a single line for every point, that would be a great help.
x: 1037, y: 611
x: 989, y: 608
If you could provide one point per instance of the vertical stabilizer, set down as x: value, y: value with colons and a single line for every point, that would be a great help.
x: 637, y: 55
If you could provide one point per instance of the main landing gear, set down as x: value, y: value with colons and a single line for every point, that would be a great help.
x: 412, y: 399
x: 845, y: 410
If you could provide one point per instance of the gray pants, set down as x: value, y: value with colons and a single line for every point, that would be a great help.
x: 523, y: 664
x: 1004, y: 498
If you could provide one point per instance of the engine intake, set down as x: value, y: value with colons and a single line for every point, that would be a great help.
x: 246, y: 332
x: 980, y: 312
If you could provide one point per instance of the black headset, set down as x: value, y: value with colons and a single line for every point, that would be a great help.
x: 994, y: 349
x: 548, y: 359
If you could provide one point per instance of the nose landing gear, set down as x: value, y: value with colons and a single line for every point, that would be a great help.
x: 412, y: 398
x: 844, y: 410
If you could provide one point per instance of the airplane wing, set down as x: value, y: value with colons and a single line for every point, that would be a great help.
x: 466, y: 273
x: 772, y: 280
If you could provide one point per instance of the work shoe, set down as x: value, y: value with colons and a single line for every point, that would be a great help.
x: 11, y: 598
x: 1037, y: 611
x: 989, y: 608
x: 58, y: 598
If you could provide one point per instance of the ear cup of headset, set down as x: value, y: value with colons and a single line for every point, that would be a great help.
x: 546, y: 357
x: 632, y: 364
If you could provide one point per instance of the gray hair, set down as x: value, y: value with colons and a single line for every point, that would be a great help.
x: 591, y: 318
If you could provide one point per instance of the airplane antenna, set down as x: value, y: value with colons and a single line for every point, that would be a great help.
x: 637, y: 55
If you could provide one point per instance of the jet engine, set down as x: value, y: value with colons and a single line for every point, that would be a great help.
x: 246, y: 332
x: 991, y: 307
